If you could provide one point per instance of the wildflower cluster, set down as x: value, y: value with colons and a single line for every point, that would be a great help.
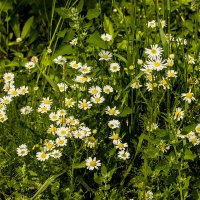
x: 11, y: 93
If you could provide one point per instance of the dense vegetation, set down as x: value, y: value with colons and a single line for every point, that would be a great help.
x: 99, y: 99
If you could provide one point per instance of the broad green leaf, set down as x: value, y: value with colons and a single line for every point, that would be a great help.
x: 63, y: 50
x: 27, y: 27
x: 95, y: 40
x: 189, y: 155
x: 79, y: 165
x: 63, y: 12
x: 189, y: 128
x: 46, y: 184
x: 80, y: 5
x: 126, y: 111
x: 141, y: 138
x: 5, y: 5
x: 93, y: 13
x: 108, y: 27
x: 121, y: 57
x: 62, y: 33
x: 103, y: 170
x: 52, y: 83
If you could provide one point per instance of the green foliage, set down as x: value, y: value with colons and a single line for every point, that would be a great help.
x: 153, y: 153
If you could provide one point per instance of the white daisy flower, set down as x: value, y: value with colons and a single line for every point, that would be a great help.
x: 42, y: 156
x: 47, y: 101
x: 61, y: 141
x: 60, y: 60
x: 94, y: 90
x: 79, y: 134
x: 105, y: 55
x: 121, y: 146
x: 62, y: 87
x: 194, y: 140
x: 136, y: 85
x: 112, y: 111
x: 63, y: 131
x: 107, y: 89
x: 86, y: 130
x: 6, y: 100
x: 92, y: 163
x: 82, y: 79
x: 190, y: 60
x: 154, y: 52
x: 106, y: 37
x: 22, y: 150
x: 114, y: 67
x: 189, y: 97
x: 8, y: 77
x: 74, y: 42
x: 158, y: 64
x: 197, y: 128
x: 179, y: 114
x: 75, y: 65
x: 124, y: 155
x: 23, y: 90
x: 171, y: 74
x: 14, y: 92
x: 114, y: 124
x: 84, y: 104
x: 97, y: 99
x: 151, y: 24
x: 56, y: 154
x: 30, y: 65
x: 69, y: 102
x: 49, y: 145
x: 26, y: 110
x: 53, y: 116
x: 85, y: 69
x: 44, y: 108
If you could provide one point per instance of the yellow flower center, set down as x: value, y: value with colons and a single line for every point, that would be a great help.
x: 156, y: 64
x: 189, y: 95
x: 115, y: 137
x: 105, y: 56
x: 92, y: 163
x: 43, y: 155
x: 49, y: 145
x: 112, y: 111
x: 84, y: 105
x: 84, y: 78
x: 47, y: 101
x: 121, y: 145
x: 153, y: 51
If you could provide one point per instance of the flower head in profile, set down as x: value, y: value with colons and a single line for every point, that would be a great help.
x: 30, y: 65
x: 74, y: 42
x: 197, y: 128
x: 179, y: 114
x: 105, y: 55
x: 60, y: 60
x: 106, y: 37
x: 26, y: 110
x: 92, y: 163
